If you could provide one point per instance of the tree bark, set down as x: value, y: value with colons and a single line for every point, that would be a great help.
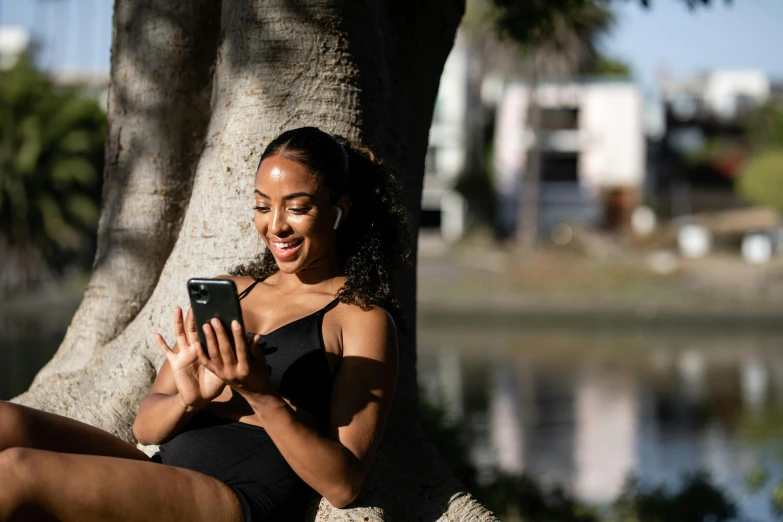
x: 368, y: 71
x: 159, y: 106
x: 531, y: 178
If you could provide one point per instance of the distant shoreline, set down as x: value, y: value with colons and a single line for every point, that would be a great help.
x: 549, y: 316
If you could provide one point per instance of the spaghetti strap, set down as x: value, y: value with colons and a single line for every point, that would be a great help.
x: 247, y: 290
x: 329, y: 306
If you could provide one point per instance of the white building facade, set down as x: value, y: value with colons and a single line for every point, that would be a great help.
x: 722, y: 92
x: 443, y: 208
x: 591, y: 141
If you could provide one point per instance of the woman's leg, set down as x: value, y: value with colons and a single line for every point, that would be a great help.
x: 23, y: 427
x: 72, y: 487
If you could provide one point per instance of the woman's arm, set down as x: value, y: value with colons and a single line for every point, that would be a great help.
x: 162, y: 414
x: 181, y: 388
x: 334, y: 465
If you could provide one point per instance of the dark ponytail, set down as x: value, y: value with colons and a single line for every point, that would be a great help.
x: 375, y: 239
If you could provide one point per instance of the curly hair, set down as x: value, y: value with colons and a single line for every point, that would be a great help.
x: 375, y: 239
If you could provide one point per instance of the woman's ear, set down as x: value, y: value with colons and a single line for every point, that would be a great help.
x: 342, y: 208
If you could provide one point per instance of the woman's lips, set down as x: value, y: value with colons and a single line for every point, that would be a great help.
x: 285, y: 249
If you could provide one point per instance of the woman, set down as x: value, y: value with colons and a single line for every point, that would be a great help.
x: 297, y: 408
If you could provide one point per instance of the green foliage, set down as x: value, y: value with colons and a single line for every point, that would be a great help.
x: 762, y: 179
x: 605, y: 66
x: 450, y: 440
x: 533, y: 22
x: 558, y: 37
x: 51, y: 165
x: 530, y: 22
x: 765, y: 127
x: 755, y: 479
x: 777, y: 499
x: 698, y: 499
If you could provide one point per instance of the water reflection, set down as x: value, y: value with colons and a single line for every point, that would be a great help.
x: 606, y: 425
x: 28, y: 339
x: 586, y: 409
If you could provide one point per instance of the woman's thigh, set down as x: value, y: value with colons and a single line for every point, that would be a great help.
x: 23, y: 427
x: 74, y: 487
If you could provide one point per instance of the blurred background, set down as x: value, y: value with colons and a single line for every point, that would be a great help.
x: 601, y: 252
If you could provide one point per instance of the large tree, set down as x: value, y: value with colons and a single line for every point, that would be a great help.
x: 197, y: 90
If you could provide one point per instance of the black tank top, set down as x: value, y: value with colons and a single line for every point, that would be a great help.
x: 296, y: 357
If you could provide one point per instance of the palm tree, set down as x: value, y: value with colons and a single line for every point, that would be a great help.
x: 559, y: 41
x: 51, y: 159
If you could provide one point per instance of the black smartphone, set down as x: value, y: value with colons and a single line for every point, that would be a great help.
x: 211, y: 298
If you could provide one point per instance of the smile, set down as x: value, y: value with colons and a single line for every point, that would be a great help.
x: 285, y: 249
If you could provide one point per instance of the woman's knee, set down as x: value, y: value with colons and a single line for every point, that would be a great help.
x: 17, y: 469
x: 13, y: 427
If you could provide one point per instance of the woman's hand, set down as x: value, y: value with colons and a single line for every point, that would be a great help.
x: 240, y: 366
x: 196, y: 385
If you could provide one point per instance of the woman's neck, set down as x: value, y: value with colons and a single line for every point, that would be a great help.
x: 317, y: 277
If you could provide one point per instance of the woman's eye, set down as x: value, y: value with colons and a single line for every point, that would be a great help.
x: 300, y: 210
x: 260, y: 208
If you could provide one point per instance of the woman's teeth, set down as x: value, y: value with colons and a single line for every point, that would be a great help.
x: 287, y: 244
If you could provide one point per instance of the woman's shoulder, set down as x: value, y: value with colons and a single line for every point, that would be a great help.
x: 374, y: 314
x: 366, y: 327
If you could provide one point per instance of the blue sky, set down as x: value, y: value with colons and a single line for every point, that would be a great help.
x: 75, y: 34
x: 746, y: 34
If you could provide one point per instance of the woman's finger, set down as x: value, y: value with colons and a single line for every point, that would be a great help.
x: 191, y: 330
x: 179, y: 329
x: 164, y: 347
x: 204, y: 360
x: 212, y: 346
x: 224, y: 343
x: 240, y: 342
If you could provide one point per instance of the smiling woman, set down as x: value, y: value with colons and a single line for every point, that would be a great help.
x: 335, y: 184
x: 251, y: 426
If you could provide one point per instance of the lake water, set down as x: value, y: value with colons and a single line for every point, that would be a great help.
x: 586, y: 408
x: 578, y: 407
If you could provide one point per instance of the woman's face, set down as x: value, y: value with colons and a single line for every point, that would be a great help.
x: 293, y: 215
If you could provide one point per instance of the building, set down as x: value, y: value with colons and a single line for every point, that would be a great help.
x: 15, y: 42
x: 722, y: 94
x: 93, y: 86
x: 592, y: 147
x: 695, y: 161
x: 443, y: 209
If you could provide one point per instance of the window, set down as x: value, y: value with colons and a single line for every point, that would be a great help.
x: 559, y: 119
x: 559, y: 167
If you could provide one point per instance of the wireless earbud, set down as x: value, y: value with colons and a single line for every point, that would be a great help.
x: 339, y: 215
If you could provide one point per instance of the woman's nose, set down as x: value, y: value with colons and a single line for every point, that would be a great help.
x: 277, y: 222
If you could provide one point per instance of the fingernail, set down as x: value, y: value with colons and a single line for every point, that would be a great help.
x: 235, y: 324
x: 205, y: 327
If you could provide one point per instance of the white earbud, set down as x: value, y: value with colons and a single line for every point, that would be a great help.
x: 339, y: 215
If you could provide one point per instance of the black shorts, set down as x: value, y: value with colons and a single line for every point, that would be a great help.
x: 243, y: 457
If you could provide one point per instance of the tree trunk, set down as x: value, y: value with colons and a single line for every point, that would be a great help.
x: 163, y: 52
x: 178, y: 195
x: 531, y: 179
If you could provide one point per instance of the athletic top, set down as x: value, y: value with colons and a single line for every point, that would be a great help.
x: 242, y: 455
x: 296, y: 357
